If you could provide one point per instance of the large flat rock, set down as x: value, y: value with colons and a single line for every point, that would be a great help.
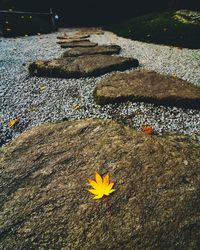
x: 147, y: 86
x: 81, y: 66
x: 103, y: 49
x: 44, y: 203
x: 84, y: 43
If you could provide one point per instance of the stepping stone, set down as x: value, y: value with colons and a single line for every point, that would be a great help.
x: 90, y: 31
x: 73, y: 37
x: 45, y: 203
x: 84, y: 43
x: 82, y: 66
x: 72, y: 41
x: 104, y: 50
x: 147, y: 86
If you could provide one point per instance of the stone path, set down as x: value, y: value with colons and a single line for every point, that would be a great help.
x: 43, y: 181
x: 89, y: 59
x: 85, y: 59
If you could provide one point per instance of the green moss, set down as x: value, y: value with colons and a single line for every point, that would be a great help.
x: 160, y: 28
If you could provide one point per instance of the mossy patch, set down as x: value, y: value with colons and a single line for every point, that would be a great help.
x: 179, y: 28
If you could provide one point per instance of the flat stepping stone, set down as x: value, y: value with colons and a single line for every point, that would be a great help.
x: 82, y: 66
x: 147, y: 86
x: 104, y: 49
x: 85, y: 43
x: 72, y: 40
x: 45, y: 203
x: 73, y: 37
x: 90, y: 32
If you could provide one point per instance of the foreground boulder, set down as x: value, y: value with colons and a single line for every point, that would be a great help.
x: 44, y: 203
x: 103, y: 49
x: 84, y: 43
x: 81, y: 66
x: 147, y: 86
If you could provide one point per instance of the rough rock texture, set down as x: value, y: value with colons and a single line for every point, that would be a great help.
x: 81, y: 66
x: 72, y: 40
x: 73, y: 44
x: 44, y: 203
x: 147, y: 86
x: 103, y: 49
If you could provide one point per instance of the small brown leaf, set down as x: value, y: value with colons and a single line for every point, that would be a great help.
x: 76, y: 106
x: 147, y: 130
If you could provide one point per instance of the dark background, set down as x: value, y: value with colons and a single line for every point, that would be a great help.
x: 97, y: 12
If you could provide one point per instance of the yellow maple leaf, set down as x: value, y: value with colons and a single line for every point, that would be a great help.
x: 13, y: 122
x: 102, y: 186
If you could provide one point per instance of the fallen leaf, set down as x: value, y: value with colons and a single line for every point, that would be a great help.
x: 34, y: 108
x: 101, y: 186
x: 147, y: 130
x: 13, y: 122
x: 194, y: 136
x: 76, y: 106
x: 42, y: 88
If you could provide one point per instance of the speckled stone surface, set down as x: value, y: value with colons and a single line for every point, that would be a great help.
x: 44, y: 202
x: 147, y: 86
x: 82, y: 66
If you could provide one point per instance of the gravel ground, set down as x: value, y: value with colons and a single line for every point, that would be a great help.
x: 40, y: 100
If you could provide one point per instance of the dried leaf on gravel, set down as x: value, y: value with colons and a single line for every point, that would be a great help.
x: 13, y: 122
x: 76, y: 106
x: 147, y: 130
x: 42, y: 88
x: 194, y: 136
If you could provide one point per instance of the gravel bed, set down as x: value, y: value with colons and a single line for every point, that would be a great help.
x: 40, y: 100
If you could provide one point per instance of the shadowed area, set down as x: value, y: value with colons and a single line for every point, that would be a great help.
x: 90, y: 12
